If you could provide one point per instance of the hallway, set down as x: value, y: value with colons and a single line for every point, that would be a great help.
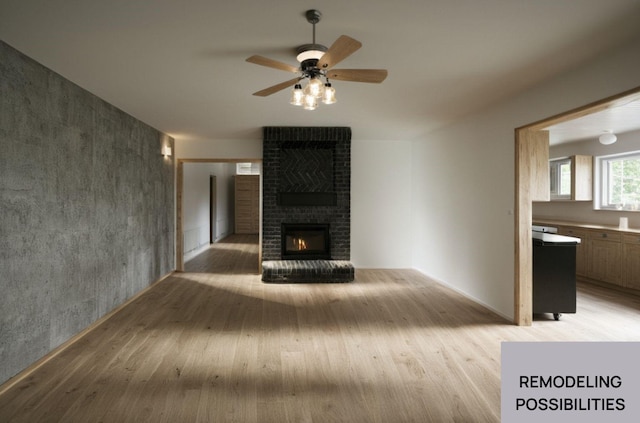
x: 235, y: 254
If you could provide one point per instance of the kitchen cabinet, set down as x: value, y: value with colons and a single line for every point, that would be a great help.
x: 605, y: 256
x: 579, y: 184
x: 581, y: 178
x: 582, y: 251
x: 538, y: 142
x: 631, y: 260
x: 247, y: 204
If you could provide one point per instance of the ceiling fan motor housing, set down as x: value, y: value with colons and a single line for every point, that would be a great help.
x: 313, y: 50
x: 309, y: 68
x: 310, y: 52
x: 313, y: 16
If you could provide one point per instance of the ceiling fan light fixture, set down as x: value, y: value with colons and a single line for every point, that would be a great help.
x: 607, y: 138
x: 329, y: 96
x: 310, y: 102
x: 316, y: 66
x: 314, y: 52
x: 297, y: 96
x: 314, y: 88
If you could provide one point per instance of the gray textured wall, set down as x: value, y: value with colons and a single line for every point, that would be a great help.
x: 86, y: 210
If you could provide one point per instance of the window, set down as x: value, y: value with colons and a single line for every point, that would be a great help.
x: 619, y: 179
x: 247, y: 168
x: 560, y: 178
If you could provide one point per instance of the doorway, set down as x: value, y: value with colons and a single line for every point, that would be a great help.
x: 532, y: 148
x: 180, y: 206
x: 213, y: 208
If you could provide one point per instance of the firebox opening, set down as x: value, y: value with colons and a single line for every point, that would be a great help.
x: 305, y: 241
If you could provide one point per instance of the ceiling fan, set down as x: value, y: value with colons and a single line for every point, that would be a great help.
x: 316, y: 65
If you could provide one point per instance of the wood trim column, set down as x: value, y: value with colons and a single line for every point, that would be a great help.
x: 532, y: 184
x: 179, y: 234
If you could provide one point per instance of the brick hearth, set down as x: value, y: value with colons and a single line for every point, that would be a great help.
x: 327, y: 271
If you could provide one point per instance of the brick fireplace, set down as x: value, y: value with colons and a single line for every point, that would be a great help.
x: 306, y: 184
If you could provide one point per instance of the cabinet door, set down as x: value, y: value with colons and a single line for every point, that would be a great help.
x: 538, y: 142
x: 581, y: 178
x: 605, y: 250
x: 247, y: 204
x: 582, y: 249
x: 631, y: 255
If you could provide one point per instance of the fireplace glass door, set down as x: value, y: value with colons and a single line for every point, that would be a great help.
x: 305, y: 242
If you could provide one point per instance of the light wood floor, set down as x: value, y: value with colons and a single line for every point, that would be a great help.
x: 215, y: 344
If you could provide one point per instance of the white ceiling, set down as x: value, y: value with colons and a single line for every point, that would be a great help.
x: 619, y: 119
x: 180, y: 65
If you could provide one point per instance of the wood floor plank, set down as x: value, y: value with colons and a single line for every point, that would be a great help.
x: 217, y: 344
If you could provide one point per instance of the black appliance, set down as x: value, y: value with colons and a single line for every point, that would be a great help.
x: 554, y: 272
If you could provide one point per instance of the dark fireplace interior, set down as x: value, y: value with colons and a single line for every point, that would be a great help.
x: 305, y: 241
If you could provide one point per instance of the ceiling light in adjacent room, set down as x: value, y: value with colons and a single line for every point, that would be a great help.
x: 607, y: 138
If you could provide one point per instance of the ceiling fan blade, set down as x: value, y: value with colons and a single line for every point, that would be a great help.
x: 278, y: 87
x: 270, y: 63
x: 358, y: 75
x: 342, y: 48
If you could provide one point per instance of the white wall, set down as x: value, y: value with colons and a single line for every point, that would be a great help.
x: 463, y: 210
x: 380, y: 204
x: 583, y: 211
x: 218, y: 149
x: 463, y: 180
x: 195, y: 206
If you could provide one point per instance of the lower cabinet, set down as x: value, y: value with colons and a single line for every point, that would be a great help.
x: 631, y: 260
x: 582, y: 250
x: 606, y: 255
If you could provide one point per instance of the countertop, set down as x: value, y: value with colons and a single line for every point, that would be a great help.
x: 552, y: 222
x: 548, y: 238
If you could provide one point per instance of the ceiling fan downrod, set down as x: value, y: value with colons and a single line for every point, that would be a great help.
x: 313, y: 17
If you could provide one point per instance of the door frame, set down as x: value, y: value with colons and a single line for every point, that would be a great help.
x: 525, y: 157
x: 179, y: 206
x: 213, y: 206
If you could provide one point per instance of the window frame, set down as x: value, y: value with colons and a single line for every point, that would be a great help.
x: 603, y: 183
x: 555, y: 178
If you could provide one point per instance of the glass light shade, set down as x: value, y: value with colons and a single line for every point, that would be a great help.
x: 329, y: 96
x: 297, y: 95
x: 310, y: 102
x: 309, y: 54
x: 607, y: 138
x: 315, y: 87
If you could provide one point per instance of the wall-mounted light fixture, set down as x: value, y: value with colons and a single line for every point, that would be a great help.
x: 166, y: 151
x: 607, y: 138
